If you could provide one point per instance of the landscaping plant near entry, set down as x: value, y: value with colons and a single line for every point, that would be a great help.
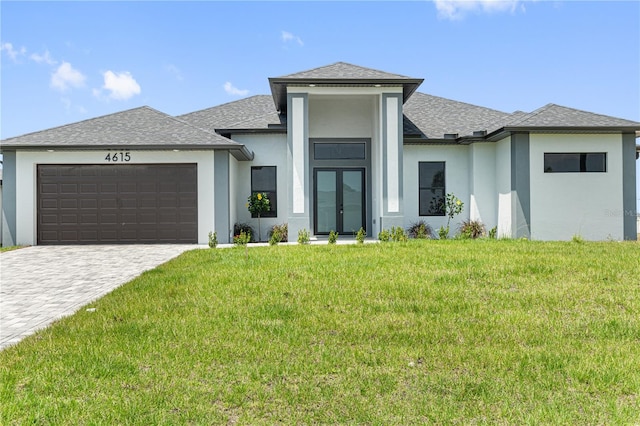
x: 450, y: 332
x: 453, y: 207
x: 258, y: 203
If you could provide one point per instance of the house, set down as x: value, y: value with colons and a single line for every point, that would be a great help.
x: 335, y: 148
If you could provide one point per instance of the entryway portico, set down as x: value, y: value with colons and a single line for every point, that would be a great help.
x: 331, y: 181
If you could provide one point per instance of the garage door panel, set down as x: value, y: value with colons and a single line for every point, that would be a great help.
x: 94, y: 204
x: 109, y: 203
x: 68, y: 188
x: 69, y: 203
x: 88, y: 203
x: 89, y: 188
x: 88, y: 236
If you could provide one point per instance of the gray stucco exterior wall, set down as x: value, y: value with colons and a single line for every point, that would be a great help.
x: 8, y: 199
x: 221, y: 197
x: 520, y: 186
x: 629, y: 186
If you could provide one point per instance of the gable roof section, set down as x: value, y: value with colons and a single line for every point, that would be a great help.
x: 556, y: 116
x: 143, y: 128
x: 340, y: 74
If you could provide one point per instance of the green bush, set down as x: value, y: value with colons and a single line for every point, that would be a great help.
x: 333, y: 237
x: 384, y: 236
x: 242, y: 239
x: 213, y: 239
x: 398, y: 234
x: 420, y: 230
x: 360, y: 236
x: 443, y: 232
x: 239, y: 228
x: 493, y: 233
x: 303, y: 236
x: 472, y: 229
x: 278, y: 233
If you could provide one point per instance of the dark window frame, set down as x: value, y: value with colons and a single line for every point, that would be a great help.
x: 271, y: 193
x: 423, y: 186
x: 580, y: 164
x: 339, y: 151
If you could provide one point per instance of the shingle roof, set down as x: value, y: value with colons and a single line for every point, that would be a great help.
x: 342, y: 71
x: 255, y: 112
x: 340, y: 74
x: 555, y: 116
x: 435, y: 116
x: 142, y: 127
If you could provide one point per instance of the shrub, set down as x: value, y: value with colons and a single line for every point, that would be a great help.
x: 384, y: 236
x: 238, y: 228
x: 443, y: 232
x: 303, y: 236
x: 493, y: 233
x: 333, y: 237
x: 577, y: 238
x: 279, y: 233
x: 213, y: 239
x: 420, y: 230
x: 360, y: 236
x: 398, y: 234
x: 275, y: 239
x: 472, y: 229
x: 242, y: 239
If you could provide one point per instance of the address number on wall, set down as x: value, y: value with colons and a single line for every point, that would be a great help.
x: 117, y: 157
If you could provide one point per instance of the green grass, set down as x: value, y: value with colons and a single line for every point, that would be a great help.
x: 10, y: 248
x: 467, y: 332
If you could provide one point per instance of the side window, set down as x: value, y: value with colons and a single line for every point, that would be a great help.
x: 431, y: 188
x: 575, y: 162
x: 263, y: 179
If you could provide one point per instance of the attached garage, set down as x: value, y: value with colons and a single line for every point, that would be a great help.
x: 107, y: 204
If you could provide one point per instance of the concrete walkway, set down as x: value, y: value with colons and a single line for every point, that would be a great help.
x: 39, y: 285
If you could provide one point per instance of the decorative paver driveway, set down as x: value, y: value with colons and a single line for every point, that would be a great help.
x: 41, y: 284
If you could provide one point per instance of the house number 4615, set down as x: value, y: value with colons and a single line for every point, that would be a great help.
x: 118, y: 156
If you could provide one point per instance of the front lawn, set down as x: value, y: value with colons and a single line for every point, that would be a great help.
x: 507, y: 332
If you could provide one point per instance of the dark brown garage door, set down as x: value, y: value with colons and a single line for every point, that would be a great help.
x: 107, y: 204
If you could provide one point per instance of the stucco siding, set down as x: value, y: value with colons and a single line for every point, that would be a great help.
x: 482, y: 184
x: 589, y: 205
x: 503, y: 187
x: 456, y: 160
x: 269, y: 150
x: 26, y: 191
x: 340, y: 116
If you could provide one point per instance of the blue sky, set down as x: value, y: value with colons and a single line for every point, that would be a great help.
x: 63, y: 62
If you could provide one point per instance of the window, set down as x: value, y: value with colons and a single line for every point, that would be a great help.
x: 263, y: 179
x: 431, y: 188
x: 339, y: 151
x: 575, y: 162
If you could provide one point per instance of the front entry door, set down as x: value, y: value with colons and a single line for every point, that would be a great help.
x: 339, y: 202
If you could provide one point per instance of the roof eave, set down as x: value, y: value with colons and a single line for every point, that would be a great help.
x: 279, y: 85
x: 236, y: 147
x: 505, y: 131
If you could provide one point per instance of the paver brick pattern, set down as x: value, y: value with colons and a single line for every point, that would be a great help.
x: 41, y: 284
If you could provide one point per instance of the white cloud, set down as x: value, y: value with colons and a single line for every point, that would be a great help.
x: 66, y: 76
x: 11, y: 52
x: 232, y: 90
x: 44, y: 58
x: 457, y: 9
x: 121, y: 86
x: 287, y: 37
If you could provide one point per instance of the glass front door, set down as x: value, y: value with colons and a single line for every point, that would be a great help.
x: 339, y: 200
